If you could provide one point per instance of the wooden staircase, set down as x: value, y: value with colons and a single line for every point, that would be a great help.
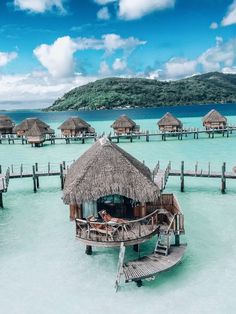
x: 163, y: 244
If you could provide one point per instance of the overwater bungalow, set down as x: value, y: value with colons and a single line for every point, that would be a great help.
x: 6, y: 125
x: 169, y: 123
x: 75, y: 126
x: 214, y: 120
x: 35, y: 135
x: 28, y: 123
x: 125, y: 125
x: 115, y: 202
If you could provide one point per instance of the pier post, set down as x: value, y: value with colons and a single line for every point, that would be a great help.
x: 0, y: 168
x: 136, y: 247
x: 37, y: 178
x: 34, y: 180
x: 83, y: 140
x: 61, y: 176
x: 182, y: 177
x: 1, y: 200
x: 131, y: 138
x: 223, y: 179
x: 88, y: 250
x: 118, y: 139
x: 147, y: 136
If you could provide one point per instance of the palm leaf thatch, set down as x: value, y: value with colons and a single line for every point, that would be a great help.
x: 75, y: 124
x: 106, y: 169
x: 28, y: 123
x: 214, y: 116
x: 35, y: 131
x: 123, y: 122
x: 168, y: 119
x: 6, y: 122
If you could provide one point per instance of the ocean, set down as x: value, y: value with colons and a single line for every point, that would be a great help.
x: 43, y: 268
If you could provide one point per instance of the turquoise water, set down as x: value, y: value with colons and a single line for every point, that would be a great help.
x: 43, y: 269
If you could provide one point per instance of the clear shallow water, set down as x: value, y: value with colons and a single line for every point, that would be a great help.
x: 43, y: 269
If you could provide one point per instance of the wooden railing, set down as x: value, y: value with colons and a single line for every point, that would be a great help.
x: 117, y: 232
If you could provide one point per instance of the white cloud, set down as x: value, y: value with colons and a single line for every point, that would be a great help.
x: 113, y: 42
x: 180, y: 67
x: 104, y: 69
x: 130, y: 10
x: 214, y: 25
x: 6, y: 57
x: 37, y: 87
x: 228, y: 70
x: 39, y: 6
x: 58, y: 57
x: 103, y: 14
x: 230, y: 17
x: 119, y: 65
x: 222, y: 55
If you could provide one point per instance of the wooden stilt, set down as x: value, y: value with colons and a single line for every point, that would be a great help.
x: 147, y: 136
x: 223, y: 179
x: 88, y: 250
x: 34, y: 180
x: 37, y: 178
x: 61, y: 176
x: 177, y: 240
x: 1, y: 200
x: 139, y: 283
x: 136, y: 247
x: 182, y: 177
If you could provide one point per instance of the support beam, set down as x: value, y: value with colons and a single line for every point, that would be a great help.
x: 1, y: 200
x: 182, y: 177
x: 223, y: 179
x: 88, y: 250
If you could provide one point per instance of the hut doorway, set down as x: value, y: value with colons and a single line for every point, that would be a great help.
x: 117, y: 206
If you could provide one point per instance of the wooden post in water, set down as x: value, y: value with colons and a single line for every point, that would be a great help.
x: 1, y: 200
x: 0, y: 168
x: 61, y: 176
x: 182, y: 177
x: 223, y: 179
x: 147, y: 136
x: 37, y: 178
x: 88, y: 250
x: 34, y: 180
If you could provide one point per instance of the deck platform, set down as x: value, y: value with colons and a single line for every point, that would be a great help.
x: 152, y: 265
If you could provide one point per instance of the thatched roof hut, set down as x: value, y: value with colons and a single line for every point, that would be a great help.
x: 75, y: 125
x: 213, y: 119
x: 6, y: 124
x: 28, y: 123
x: 169, y: 123
x: 106, y: 169
x: 124, y: 124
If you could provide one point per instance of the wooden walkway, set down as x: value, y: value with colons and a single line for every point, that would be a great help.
x: 152, y: 265
x: 194, y: 133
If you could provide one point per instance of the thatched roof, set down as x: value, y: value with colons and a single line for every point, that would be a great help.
x: 169, y: 119
x: 106, y: 169
x: 123, y: 122
x: 214, y: 116
x: 28, y: 123
x: 6, y: 122
x: 75, y: 123
x: 35, y: 131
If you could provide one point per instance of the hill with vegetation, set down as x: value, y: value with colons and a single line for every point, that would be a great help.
x: 114, y: 92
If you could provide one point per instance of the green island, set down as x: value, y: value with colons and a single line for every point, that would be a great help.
x: 116, y: 93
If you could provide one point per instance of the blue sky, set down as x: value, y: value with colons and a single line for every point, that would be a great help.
x: 48, y: 47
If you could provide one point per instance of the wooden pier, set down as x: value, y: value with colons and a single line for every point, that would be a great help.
x: 193, y: 133
x: 161, y: 175
x: 151, y: 265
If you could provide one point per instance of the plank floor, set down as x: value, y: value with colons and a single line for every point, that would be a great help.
x: 149, y: 266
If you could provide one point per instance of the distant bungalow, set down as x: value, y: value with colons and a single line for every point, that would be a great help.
x: 113, y: 209
x: 28, y: 123
x: 124, y: 125
x: 214, y: 120
x: 6, y: 125
x: 75, y: 126
x: 35, y: 135
x: 169, y: 123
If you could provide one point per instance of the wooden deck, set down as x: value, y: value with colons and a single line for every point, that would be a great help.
x: 150, y: 266
x: 194, y: 133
